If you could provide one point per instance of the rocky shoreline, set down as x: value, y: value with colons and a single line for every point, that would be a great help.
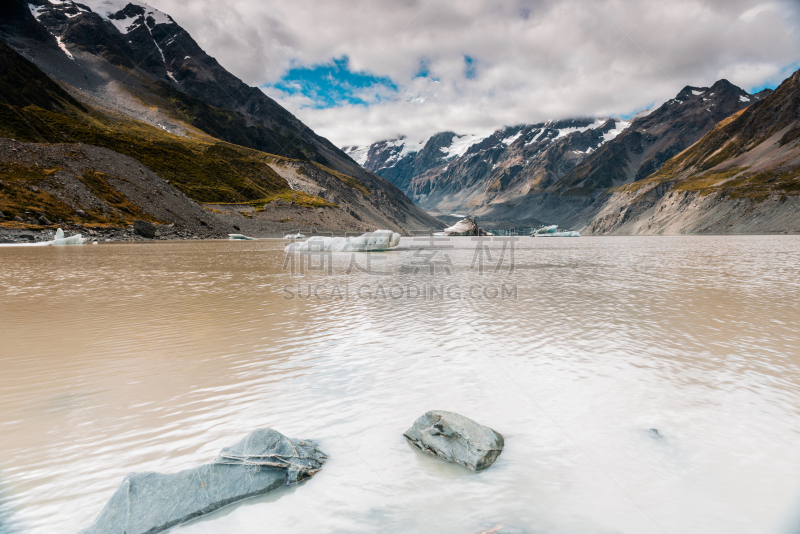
x: 28, y: 234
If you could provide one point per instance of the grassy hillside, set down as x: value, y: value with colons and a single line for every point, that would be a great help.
x: 34, y: 108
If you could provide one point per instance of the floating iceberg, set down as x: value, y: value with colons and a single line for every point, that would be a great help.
x: 552, y: 231
x: 298, y: 235
x: 59, y: 239
x: 370, y: 241
x: 240, y: 237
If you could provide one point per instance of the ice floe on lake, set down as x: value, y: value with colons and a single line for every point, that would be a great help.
x: 59, y: 239
x: 552, y: 231
x: 370, y: 241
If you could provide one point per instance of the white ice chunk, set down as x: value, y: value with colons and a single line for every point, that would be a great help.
x: 552, y: 231
x: 370, y: 241
x: 240, y: 237
x: 59, y: 239
x: 298, y: 235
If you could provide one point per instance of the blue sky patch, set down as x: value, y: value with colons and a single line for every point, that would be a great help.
x: 470, y: 67
x: 334, y: 84
x: 627, y: 116
x: 785, y: 73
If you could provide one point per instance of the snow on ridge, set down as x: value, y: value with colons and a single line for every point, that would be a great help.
x: 572, y: 129
x: 510, y: 139
x: 63, y: 48
x: 743, y: 98
x: 358, y: 153
x: 104, y: 8
x: 697, y: 93
x: 406, y: 148
x: 619, y: 127
x: 460, y: 144
x: 35, y: 10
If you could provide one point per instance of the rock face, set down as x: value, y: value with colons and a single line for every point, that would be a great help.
x: 456, y: 438
x: 146, y: 503
x: 144, y: 228
x: 466, y: 226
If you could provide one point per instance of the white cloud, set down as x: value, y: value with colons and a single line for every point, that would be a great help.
x: 536, y: 59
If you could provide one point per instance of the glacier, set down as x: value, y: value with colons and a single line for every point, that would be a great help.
x: 370, y: 241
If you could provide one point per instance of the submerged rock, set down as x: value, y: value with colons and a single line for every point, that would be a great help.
x: 456, y: 438
x: 146, y: 503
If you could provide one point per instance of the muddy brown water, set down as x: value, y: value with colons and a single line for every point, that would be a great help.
x: 643, y: 384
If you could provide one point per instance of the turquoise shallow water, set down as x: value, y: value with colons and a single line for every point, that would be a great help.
x: 151, y: 357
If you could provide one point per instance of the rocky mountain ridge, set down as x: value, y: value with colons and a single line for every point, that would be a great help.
x: 742, y: 177
x: 558, y: 172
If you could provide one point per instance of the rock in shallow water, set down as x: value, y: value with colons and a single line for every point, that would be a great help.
x: 146, y: 503
x: 456, y: 438
x: 466, y: 226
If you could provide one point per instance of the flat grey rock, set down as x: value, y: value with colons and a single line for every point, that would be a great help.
x: 456, y: 438
x: 146, y: 503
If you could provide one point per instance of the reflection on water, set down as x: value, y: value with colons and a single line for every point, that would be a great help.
x: 642, y: 384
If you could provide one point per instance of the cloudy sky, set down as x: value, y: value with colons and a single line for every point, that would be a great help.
x: 358, y: 71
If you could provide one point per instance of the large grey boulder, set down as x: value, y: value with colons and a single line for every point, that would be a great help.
x: 466, y: 226
x: 456, y: 438
x: 146, y: 503
x: 144, y: 228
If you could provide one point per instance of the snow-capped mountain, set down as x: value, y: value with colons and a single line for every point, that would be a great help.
x: 474, y: 168
x: 400, y: 160
x: 555, y: 171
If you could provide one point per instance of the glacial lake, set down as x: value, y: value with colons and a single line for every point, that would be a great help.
x: 642, y: 384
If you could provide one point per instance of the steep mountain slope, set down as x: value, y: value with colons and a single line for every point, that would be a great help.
x: 204, y: 168
x: 742, y: 177
x: 125, y: 58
